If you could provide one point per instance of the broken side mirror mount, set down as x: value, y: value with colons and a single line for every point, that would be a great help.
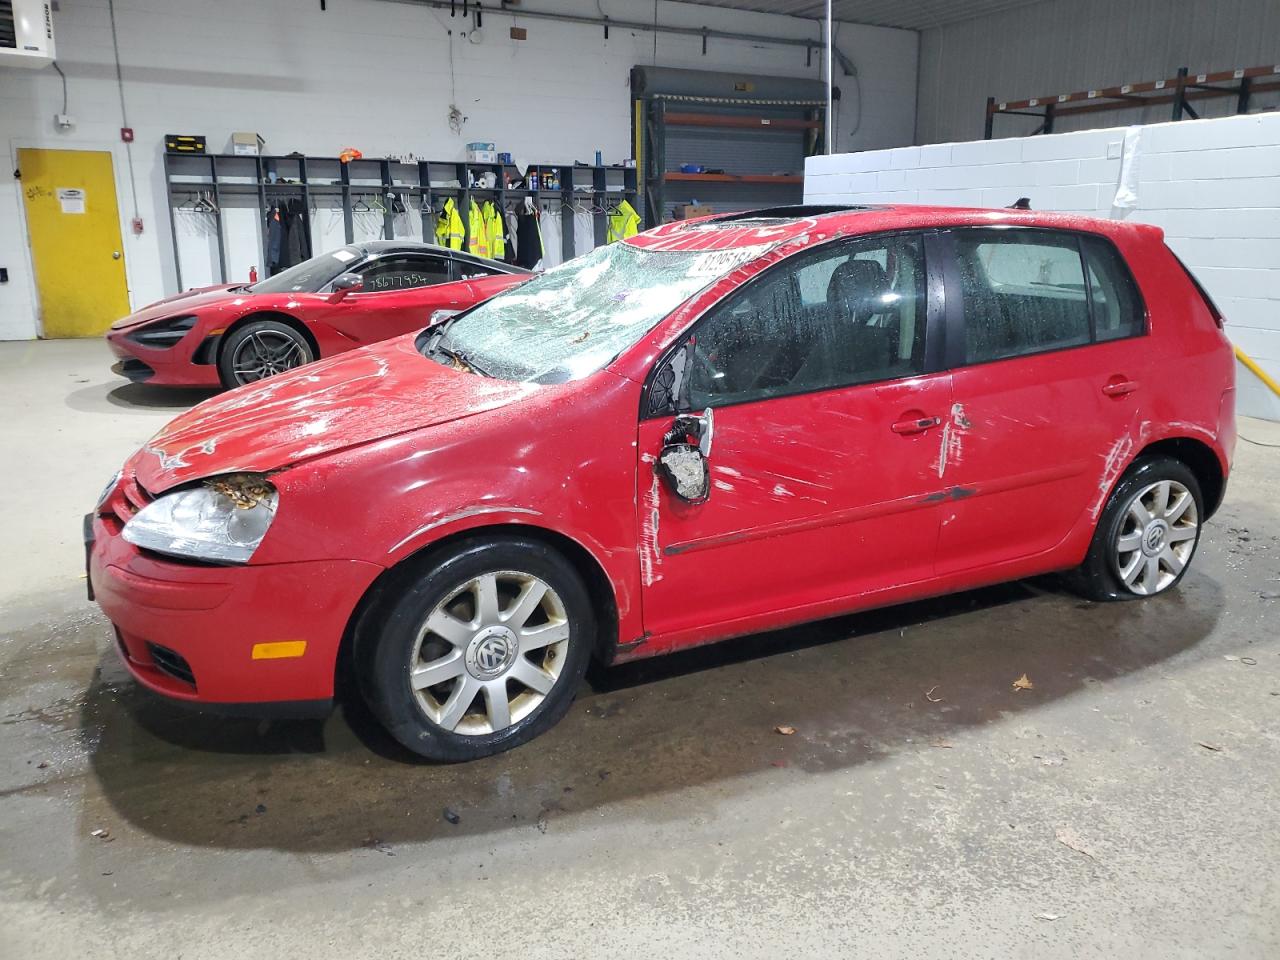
x: 682, y: 463
x: 345, y: 284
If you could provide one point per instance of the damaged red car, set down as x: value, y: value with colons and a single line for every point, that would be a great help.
x: 235, y: 334
x: 714, y: 428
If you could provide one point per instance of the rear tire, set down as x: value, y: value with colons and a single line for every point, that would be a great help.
x: 481, y: 651
x: 261, y: 349
x: 1147, y: 534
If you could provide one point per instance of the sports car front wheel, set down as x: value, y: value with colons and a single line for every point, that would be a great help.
x: 261, y: 349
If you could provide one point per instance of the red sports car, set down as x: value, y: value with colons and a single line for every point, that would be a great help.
x: 717, y: 427
x: 234, y: 334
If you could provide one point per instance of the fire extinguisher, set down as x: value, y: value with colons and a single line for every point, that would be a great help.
x: 253, y: 274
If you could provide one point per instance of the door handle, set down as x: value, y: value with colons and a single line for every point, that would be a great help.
x: 1120, y: 388
x: 907, y: 427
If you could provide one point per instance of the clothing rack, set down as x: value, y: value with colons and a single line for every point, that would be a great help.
x: 418, y: 185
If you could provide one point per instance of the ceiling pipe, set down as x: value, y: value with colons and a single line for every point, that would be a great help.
x: 830, y: 99
x: 613, y: 22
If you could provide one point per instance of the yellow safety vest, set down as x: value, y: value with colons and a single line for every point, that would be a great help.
x: 493, y: 230
x: 623, y: 222
x: 449, y: 226
x: 477, y: 239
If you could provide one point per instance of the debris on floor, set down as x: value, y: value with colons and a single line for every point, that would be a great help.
x: 1068, y: 838
x: 785, y: 730
x: 1049, y: 916
x: 928, y: 694
x: 103, y: 834
x: 451, y: 815
x: 1209, y: 746
x: 1023, y: 683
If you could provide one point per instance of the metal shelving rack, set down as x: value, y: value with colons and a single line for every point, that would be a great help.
x: 737, y: 134
x: 227, y: 175
x: 1178, y: 91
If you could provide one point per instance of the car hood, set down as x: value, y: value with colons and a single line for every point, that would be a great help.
x: 355, y: 398
x: 186, y: 302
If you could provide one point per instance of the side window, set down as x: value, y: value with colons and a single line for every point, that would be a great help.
x: 849, y: 313
x: 1024, y: 292
x: 473, y: 271
x: 404, y: 272
x: 1117, y: 308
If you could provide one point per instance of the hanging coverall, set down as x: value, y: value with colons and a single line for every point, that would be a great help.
x: 477, y: 239
x: 623, y: 222
x: 449, y: 226
x: 494, y: 230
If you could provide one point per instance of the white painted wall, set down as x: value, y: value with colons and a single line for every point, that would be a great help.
x: 1060, y: 46
x: 376, y: 75
x: 1212, y: 185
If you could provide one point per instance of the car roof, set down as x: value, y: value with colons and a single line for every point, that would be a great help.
x: 814, y: 223
x: 378, y: 248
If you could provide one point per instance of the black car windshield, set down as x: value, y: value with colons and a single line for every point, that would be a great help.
x: 310, y: 276
x: 577, y: 317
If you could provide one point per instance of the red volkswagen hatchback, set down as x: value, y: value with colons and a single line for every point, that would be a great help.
x: 716, y: 427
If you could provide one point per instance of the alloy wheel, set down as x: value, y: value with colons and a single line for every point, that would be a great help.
x: 264, y: 353
x: 489, y: 653
x: 1157, y: 537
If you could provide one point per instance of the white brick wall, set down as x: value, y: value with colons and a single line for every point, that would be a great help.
x: 1213, y: 186
x: 375, y: 75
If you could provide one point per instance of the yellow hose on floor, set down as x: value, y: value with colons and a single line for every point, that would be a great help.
x: 1257, y: 371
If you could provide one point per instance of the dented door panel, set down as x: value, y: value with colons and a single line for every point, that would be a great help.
x: 813, y: 497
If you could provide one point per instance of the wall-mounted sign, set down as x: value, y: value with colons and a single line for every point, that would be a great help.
x: 72, y: 199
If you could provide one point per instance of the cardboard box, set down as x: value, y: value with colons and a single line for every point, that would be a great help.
x: 246, y: 144
x: 687, y: 211
x: 482, y: 156
x: 482, y: 145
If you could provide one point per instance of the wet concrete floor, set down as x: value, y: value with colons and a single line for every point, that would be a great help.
x: 1124, y: 805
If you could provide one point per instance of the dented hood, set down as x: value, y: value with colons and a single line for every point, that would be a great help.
x: 355, y: 398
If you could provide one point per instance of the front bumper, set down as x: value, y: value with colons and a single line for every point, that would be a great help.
x: 252, y: 640
x: 175, y: 366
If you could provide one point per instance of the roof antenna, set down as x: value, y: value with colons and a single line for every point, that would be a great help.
x: 1022, y: 203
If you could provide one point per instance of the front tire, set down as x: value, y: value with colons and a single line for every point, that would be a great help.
x: 481, y: 652
x: 1147, y: 534
x: 261, y: 349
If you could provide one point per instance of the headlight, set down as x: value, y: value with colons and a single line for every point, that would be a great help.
x: 224, y: 519
x: 108, y: 489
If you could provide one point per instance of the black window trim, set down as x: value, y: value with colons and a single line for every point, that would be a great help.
x: 935, y: 332
x: 955, y: 324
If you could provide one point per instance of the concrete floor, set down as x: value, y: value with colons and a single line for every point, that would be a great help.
x: 1132, y: 794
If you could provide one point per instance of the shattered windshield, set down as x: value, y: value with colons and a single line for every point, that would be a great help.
x: 574, y: 319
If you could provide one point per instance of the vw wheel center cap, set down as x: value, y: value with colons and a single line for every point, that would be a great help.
x: 1153, y: 540
x: 491, y: 652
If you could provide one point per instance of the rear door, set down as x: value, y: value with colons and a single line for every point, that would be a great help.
x: 824, y: 406
x: 1047, y: 390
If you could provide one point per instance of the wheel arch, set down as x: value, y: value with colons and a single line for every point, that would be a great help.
x: 287, y: 319
x: 599, y: 588
x: 1201, y: 459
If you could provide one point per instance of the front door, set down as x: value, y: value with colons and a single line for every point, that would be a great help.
x: 401, y: 291
x: 74, y: 227
x: 823, y: 423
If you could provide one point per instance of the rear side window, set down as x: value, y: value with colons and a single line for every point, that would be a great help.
x: 1029, y: 291
x: 1024, y: 292
x: 1117, y: 310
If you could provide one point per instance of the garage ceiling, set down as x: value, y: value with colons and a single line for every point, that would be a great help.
x: 909, y: 14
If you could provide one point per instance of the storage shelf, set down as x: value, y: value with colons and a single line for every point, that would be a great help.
x: 740, y: 122
x: 733, y: 178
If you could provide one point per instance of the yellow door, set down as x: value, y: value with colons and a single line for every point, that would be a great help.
x: 74, y: 225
